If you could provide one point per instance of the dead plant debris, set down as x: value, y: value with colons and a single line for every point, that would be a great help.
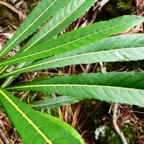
x: 84, y: 116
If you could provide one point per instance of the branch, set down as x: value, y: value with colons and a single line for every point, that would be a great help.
x: 119, y: 132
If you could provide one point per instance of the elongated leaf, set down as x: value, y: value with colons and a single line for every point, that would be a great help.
x: 35, y: 127
x: 118, y: 48
x: 43, y: 11
x: 55, y: 102
x: 62, y: 19
x: 76, y: 39
x: 126, y: 87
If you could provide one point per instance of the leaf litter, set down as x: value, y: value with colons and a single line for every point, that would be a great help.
x: 86, y: 115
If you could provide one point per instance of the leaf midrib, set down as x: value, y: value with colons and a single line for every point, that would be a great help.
x: 24, y: 116
x: 52, y: 103
x: 74, y: 41
x: 27, y: 28
x: 73, y: 85
x: 60, y: 59
x: 53, y: 27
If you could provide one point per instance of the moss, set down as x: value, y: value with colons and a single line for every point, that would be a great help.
x: 129, y: 132
x: 105, y: 135
x: 115, y: 8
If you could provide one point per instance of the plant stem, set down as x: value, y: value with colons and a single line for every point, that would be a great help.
x: 119, y: 132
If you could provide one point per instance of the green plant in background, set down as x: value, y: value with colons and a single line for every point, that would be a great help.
x: 47, y: 50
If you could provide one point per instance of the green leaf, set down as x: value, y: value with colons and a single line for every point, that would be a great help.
x: 75, y: 39
x: 118, y: 48
x: 35, y: 127
x: 63, y: 18
x: 55, y: 102
x: 43, y: 11
x: 126, y: 87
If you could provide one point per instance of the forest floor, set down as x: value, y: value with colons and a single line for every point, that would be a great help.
x: 88, y: 116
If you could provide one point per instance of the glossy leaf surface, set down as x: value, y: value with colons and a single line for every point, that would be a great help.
x: 63, y: 18
x: 43, y: 11
x: 75, y: 39
x: 126, y: 87
x: 35, y: 127
x: 118, y: 48
x: 55, y: 102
